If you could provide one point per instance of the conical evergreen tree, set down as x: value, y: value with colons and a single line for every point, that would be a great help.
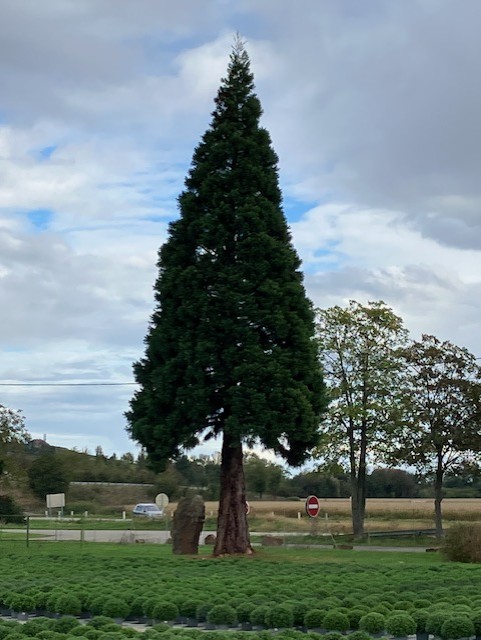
x: 230, y: 350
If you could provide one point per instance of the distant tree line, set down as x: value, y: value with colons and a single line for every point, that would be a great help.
x: 52, y: 469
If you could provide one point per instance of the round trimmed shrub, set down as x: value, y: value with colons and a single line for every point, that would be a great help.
x: 99, y: 622
x: 129, y: 632
x: 370, y: 601
x: 435, y: 621
x: 372, y: 622
x: 332, y: 635
x: 244, y: 611
x: 354, y: 616
x: 381, y: 608
x: 33, y: 626
x: 258, y: 615
x: 81, y: 631
x: 299, y: 609
x: 91, y: 634
x: 456, y: 627
x: 314, y: 618
x: 401, y: 625
x: 358, y: 635
x: 281, y: 616
x: 420, y: 617
x: 421, y: 603
x: 65, y: 624
x: 476, y: 618
x: 67, y: 604
x: 165, y: 611
x: 462, y: 609
x: 95, y: 604
x: 222, y: 614
x: 202, y: 611
x: 115, y: 608
x: 335, y: 620
x: 188, y: 608
x: 137, y: 606
x: 50, y: 635
x: 6, y: 631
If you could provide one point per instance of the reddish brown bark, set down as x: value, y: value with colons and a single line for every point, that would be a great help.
x: 232, y: 528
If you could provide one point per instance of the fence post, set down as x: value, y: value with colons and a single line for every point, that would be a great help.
x: 28, y: 532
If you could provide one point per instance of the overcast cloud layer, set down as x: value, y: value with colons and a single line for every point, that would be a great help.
x: 373, y: 108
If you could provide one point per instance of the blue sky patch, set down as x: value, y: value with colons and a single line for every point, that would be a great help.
x: 40, y: 218
x: 46, y: 152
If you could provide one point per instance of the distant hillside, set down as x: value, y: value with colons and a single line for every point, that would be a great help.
x: 79, y: 467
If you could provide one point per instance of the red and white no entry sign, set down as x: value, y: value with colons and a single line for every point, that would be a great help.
x: 312, y: 506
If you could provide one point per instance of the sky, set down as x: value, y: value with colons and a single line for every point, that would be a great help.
x: 374, y: 111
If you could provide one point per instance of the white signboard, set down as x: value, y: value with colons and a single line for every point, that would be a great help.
x: 55, y: 500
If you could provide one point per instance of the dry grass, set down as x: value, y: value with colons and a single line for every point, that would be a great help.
x: 417, y: 508
x: 382, y: 514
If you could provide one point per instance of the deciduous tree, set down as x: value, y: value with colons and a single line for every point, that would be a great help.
x: 48, y: 474
x: 359, y: 353
x: 441, y: 429
x: 13, y: 436
x: 230, y: 352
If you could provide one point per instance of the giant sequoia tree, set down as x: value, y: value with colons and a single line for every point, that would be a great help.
x: 229, y: 351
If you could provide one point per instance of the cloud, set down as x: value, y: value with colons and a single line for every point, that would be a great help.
x: 382, y: 103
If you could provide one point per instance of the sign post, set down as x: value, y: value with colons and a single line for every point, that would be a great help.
x: 312, y: 506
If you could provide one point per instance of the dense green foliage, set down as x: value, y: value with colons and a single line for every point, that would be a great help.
x: 401, y: 625
x: 48, y: 474
x: 230, y: 348
x: 10, y: 511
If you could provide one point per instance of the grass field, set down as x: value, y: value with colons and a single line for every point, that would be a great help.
x: 382, y: 514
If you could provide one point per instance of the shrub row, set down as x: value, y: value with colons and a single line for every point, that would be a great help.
x: 336, y: 597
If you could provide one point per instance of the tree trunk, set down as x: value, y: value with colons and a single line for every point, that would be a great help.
x: 358, y: 484
x: 232, y: 530
x: 438, y: 498
x: 358, y: 506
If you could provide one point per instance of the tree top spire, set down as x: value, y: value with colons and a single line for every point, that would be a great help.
x: 239, y: 45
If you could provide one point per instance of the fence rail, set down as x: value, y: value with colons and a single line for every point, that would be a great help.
x: 40, y: 529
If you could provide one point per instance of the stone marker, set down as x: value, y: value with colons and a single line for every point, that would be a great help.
x: 187, y: 525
